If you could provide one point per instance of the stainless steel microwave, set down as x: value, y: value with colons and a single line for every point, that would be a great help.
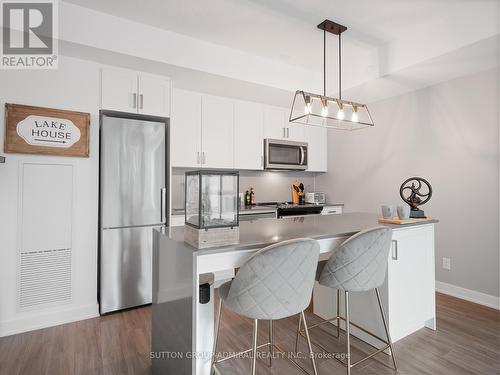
x: 285, y: 155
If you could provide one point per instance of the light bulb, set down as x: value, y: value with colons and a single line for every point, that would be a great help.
x: 324, y: 109
x: 340, y: 114
x: 355, y: 117
x: 308, y: 107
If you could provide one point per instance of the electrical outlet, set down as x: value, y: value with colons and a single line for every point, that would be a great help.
x: 447, y: 263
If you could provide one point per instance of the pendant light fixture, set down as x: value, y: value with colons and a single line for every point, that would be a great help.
x: 321, y: 110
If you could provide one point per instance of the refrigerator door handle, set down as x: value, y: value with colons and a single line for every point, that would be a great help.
x: 163, y: 205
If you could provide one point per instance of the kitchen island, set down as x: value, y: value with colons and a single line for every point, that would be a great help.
x: 182, y: 330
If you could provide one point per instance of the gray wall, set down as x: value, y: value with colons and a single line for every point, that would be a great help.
x: 448, y: 134
x: 268, y: 186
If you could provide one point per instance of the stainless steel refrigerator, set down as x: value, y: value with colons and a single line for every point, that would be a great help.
x: 133, y: 201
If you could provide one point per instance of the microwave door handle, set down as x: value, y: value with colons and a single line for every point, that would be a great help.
x: 301, y: 155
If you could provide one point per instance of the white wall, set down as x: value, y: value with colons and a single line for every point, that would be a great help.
x: 448, y: 134
x: 74, y: 86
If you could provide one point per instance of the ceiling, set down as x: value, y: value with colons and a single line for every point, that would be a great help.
x: 383, y: 37
x: 286, y: 29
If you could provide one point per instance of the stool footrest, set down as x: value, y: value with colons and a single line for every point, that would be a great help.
x: 241, y: 353
x: 278, y: 348
x: 317, y: 344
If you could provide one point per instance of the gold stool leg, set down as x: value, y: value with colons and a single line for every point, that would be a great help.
x: 386, y: 329
x: 309, y: 343
x: 216, y: 336
x: 298, y: 333
x: 338, y: 313
x: 254, y: 348
x: 271, y: 343
x: 347, y: 333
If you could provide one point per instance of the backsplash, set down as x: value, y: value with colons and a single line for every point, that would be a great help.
x: 268, y: 186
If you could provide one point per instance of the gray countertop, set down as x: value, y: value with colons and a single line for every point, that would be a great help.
x: 263, y: 232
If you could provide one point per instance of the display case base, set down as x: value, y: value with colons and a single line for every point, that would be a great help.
x: 205, y: 238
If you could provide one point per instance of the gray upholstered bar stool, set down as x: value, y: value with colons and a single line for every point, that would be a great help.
x: 358, y: 265
x: 275, y: 283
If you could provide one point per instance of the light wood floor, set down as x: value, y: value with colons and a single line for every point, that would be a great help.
x: 467, y: 342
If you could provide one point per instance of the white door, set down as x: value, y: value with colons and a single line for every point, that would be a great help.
x: 315, y: 137
x: 411, y: 278
x: 185, y: 129
x: 274, y: 122
x: 248, y: 135
x: 217, y: 132
x: 119, y: 90
x: 154, y: 95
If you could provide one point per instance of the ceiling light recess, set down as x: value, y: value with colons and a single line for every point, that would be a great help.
x: 321, y: 110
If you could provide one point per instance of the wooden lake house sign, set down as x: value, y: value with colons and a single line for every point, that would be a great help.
x: 37, y: 130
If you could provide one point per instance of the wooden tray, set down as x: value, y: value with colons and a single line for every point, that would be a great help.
x: 397, y: 221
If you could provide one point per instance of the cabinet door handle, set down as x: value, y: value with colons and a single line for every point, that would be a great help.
x: 198, y: 157
x: 141, y: 101
x: 288, y: 132
x: 284, y: 133
x: 134, y: 100
x: 395, y: 250
x: 203, y: 158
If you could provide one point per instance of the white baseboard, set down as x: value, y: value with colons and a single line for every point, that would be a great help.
x: 38, y: 320
x: 468, y: 295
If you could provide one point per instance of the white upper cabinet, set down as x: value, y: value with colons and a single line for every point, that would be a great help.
x: 215, y: 132
x: 316, y: 137
x: 217, y: 142
x: 277, y: 126
x: 248, y: 135
x: 154, y: 95
x: 129, y: 91
x: 185, y: 129
x: 295, y: 132
x: 274, y: 122
x: 119, y: 90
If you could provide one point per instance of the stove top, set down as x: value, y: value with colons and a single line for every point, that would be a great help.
x: 289, y: 208
x: 287, y: 204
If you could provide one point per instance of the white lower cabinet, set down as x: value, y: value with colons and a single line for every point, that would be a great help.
x: 177, y: 220
x: 411, y: 278
x: 316, y: 137
x: 332, y: 210
x: 408, y: 293
x: 248, y: 136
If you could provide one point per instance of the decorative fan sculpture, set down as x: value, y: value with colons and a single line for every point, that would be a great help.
x: 416, y: 191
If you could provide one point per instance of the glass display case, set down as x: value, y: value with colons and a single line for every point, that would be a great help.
x: 211, y: 199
